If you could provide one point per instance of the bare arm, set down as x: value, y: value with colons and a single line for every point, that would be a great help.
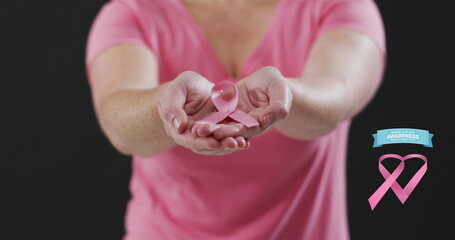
x: 125, y: 91
x: 341, y: 76
x: 141, y: 117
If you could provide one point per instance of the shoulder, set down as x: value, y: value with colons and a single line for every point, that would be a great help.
x: 323, y: 4
x: 135, y: 6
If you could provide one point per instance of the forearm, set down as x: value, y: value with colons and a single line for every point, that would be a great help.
x: 340, y: 77
x: 318, y: 106
x: 131, y: 121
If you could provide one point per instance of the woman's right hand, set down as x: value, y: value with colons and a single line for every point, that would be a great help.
x: 186, y: 100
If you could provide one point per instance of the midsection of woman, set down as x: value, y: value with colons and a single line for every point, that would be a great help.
x: 279, y: 188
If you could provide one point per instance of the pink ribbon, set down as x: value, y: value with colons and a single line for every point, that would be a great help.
x: 390, y: 179
x: 228, y: 108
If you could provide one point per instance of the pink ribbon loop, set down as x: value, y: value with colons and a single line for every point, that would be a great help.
x: 228, y: 108
x: 390, y: 179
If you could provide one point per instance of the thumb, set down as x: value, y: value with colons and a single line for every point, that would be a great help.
x: 178, y: 118
x: 280, y: 100
x: 171, y: 111
x: 174, y: 117
x: 277, y: 110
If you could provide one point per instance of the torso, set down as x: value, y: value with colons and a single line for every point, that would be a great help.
x: 271, y: 190
x: 233, y: 28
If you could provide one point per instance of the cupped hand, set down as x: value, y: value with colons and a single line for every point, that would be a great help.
x: 265, y: 96
x: 186, y: 100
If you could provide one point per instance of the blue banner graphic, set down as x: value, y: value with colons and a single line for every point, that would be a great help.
x: 402, y: 135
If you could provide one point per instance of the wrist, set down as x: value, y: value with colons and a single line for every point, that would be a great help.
x: 317, y: 107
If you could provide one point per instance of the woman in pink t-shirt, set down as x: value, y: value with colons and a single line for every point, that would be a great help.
x: 303, y: 69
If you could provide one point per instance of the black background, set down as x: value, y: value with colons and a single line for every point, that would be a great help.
x: 60, y: 178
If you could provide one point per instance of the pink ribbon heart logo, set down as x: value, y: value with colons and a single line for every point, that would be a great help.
x: 228, y: 108
x: 390, y: 179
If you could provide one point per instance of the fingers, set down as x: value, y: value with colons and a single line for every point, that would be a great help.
x: 212, y: 146
x: 268, y: 94
x: 182, y: 102
x: 185, y: 95
x: 228, y: 146
x: 200, y: 143
x: 227, y: 130
x: 224, y: 134
x: 204, y: 129
x: 219, y: 131
x: 236, y: 142
x: 241, y: 142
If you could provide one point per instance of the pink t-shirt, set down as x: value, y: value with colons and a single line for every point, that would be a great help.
x: 280, y: 188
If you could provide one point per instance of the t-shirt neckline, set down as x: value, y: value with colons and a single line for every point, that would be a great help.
x: 270, y: 28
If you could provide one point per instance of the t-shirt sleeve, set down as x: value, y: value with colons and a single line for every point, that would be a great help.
x: 116, y: 23
x: 357, y: 15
